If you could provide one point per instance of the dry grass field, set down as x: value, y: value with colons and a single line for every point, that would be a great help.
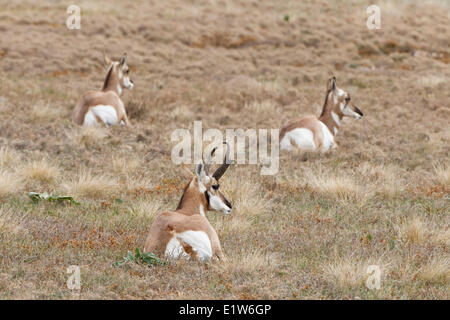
x: 309, y: 232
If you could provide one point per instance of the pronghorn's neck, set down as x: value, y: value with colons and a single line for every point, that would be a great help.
x: 329, y: 116
x: 193, y: 201
x: 112, y: 82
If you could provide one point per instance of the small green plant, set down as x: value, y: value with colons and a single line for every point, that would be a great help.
x: 36, y: 197
x: 140, y: 258
x: 286, y: 18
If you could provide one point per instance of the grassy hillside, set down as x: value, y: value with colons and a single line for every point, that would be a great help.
x: 309, y: 232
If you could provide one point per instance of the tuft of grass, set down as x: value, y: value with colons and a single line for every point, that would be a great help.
x: 248, y: 199
x: 90, y: 186
x: 386, y: 179
x: 413, y: 231
x: 442, y: 174
x: 8, y: 157
x: 42, y: 171
x: 253, y: 261
x: 265, y: 106
x: 9, y: 184
x: 88, y: 136
x: 442, y: 236
x: 125, y: 166
x: 147, y: 207
x: 340, y: 186
x: 436, y: 271
x: 10, y: 223
x: 346, y: 273
x: 44, y: 113
x: 283, y: 228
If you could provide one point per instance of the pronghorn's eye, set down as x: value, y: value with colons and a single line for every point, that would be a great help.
x: 347, y: 99
x: 128, y: 71
x: 215, y: 187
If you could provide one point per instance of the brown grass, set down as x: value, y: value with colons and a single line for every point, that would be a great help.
x: 9, y: 184
x: 91, y: 186
x: 42, y: 171
x: 436, y: 271
x: 346, y: 273
x: 442, y: 174
x: 310, y: 231
x: 8, y: 157
x: 9, y: 223
x: 413, y: 231
x: 43, y: 113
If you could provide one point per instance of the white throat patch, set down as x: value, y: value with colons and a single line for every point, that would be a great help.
x: 335, y: 118
x: 201, y: 187
x: 217, y: 204
x: 202, y: 210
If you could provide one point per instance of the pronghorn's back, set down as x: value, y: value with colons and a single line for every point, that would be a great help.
x: 105, y: 106
x: 95, y: 102
x: 309, y: 124
x: 177, y: 235
x: 186, y: 232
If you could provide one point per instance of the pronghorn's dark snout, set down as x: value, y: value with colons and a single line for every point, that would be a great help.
x: 358, y: 111
x: 225, y: 200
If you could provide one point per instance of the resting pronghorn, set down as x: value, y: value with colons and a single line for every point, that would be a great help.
x: 106, y: 106
x: 186, y: 232
x: 312, y: 133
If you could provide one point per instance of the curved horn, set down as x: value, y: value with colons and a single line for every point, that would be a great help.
x: 209, y: 161
x: 221, y: 170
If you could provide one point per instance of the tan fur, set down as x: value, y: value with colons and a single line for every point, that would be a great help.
x: 95, y: 98
x: 308, y: 122
x: 333, y: 99
x: 109, y: 95
x: 186, y: 217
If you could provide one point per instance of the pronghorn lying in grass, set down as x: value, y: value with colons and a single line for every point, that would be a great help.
x: 186, y: 232
x: 106, y: 106
x: 312, y: 133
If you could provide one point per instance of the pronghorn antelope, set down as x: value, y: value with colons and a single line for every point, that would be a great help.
x: 312, y: 133
x: 186, y: 232
x: 106, y: 106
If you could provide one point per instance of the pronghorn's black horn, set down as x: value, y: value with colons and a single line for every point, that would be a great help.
x: 226, y: 163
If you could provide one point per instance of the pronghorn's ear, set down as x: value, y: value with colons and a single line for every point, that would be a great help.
x: 123, y: 60
x: 331, y: 84
x: 200, y: 171
x: 106, y: 60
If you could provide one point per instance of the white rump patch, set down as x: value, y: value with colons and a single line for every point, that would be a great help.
x: 198, y: 240
x: 328, y: 139
x: 107, y: 113
x: 303, y: 138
